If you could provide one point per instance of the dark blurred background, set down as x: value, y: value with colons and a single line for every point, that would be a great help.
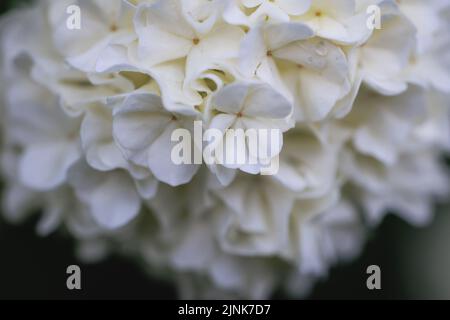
x: 415, y: 264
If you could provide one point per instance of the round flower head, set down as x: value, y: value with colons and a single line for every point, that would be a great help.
x: 115, y: 127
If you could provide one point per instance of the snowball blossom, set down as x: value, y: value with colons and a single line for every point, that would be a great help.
x: 88, y: 112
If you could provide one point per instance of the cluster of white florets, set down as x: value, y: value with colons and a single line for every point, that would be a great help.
x: 93, y: 90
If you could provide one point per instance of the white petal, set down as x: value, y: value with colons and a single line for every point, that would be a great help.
x: 264, y: 102
x: 161, y: 164
x: 44, y: 166
x: 280, y: 34
x: 139, y: 121
x: 230, y: 99
x: 294, y: 7
x: 115, y: 201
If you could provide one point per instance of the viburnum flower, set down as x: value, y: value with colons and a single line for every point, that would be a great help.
x: 387, y: 53
x: 301, y: 67
x: 49, y: 138
x: 105, y: 32
x: 344, y: 21
x: 249, y: 106
x: 143, y: 129
x: 167, y: 33
x: 89, y: 118
x: 384, y: 133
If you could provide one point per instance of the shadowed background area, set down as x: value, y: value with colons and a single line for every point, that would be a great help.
x: 414, y: 263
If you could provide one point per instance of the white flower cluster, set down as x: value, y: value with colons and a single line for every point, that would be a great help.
x: 88, y: 113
